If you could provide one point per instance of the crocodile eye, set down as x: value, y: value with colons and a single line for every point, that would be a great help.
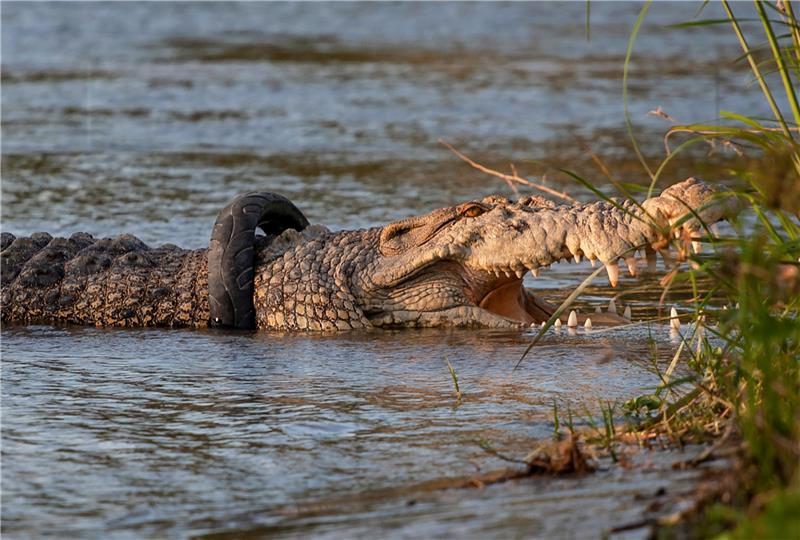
x: 471, y: 210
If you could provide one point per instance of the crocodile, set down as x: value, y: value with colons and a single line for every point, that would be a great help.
x: 457, y: 266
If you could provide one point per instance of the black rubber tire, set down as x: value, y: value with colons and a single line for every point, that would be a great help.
x: 231, y: 253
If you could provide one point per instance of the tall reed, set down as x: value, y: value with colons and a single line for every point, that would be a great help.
x: 751, y: 359
x: 744, y: 361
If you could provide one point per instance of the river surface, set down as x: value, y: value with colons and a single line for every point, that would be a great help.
x: 147, y: 118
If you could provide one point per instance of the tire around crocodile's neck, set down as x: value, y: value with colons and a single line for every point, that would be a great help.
x: 231, y: 252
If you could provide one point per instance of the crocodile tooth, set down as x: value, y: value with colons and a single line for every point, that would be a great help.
x: 593, y: 262
x: 697, y: 247
x: 544, y: 323
x: 572, y: 321
x: 674, y: 321
x: 651, y: 261
x: 588, y: 324
x: 519, y: 273
x: 508, y: 273
x: 667, y: 257
x: 598, y: 309
x: 577, y: 258
x: 627, y: 312
x: 612, y: 306
x: 631, y: 262
x: 613, y: 274
x: 557, y: 324
x: 535, y: 272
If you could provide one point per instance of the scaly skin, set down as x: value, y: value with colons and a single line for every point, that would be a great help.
x: 108, y: 282
x: 459, y: 266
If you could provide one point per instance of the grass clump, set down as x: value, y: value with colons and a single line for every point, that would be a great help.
x: 742, y: 386
x: 745, y: 370
x: 740, y: 391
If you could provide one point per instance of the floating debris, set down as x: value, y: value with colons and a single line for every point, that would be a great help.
x: 560, y: 458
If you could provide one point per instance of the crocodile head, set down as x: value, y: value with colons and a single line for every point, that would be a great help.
x: 465, y: 265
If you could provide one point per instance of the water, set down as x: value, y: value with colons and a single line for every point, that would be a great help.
x: 147, y: 118
x: 116, y: 118
x: 157, y: 432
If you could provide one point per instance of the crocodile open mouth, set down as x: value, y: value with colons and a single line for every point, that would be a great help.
x: 508, y: 300
x: 512, y: 301
x: 508, y: 297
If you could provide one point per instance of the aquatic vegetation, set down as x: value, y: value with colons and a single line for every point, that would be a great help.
x: 744, y: 352
x: 456, y: 388
x: 739, y: 386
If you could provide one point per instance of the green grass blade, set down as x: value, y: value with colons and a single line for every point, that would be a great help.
x: 625, y: 71
x: 557, y: 313
x: 795, y: 28
x: 776, y: 53
x: 754, y: 67
x: 588, y: 17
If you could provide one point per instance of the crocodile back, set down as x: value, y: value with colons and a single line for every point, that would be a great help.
x: 104, y: 282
